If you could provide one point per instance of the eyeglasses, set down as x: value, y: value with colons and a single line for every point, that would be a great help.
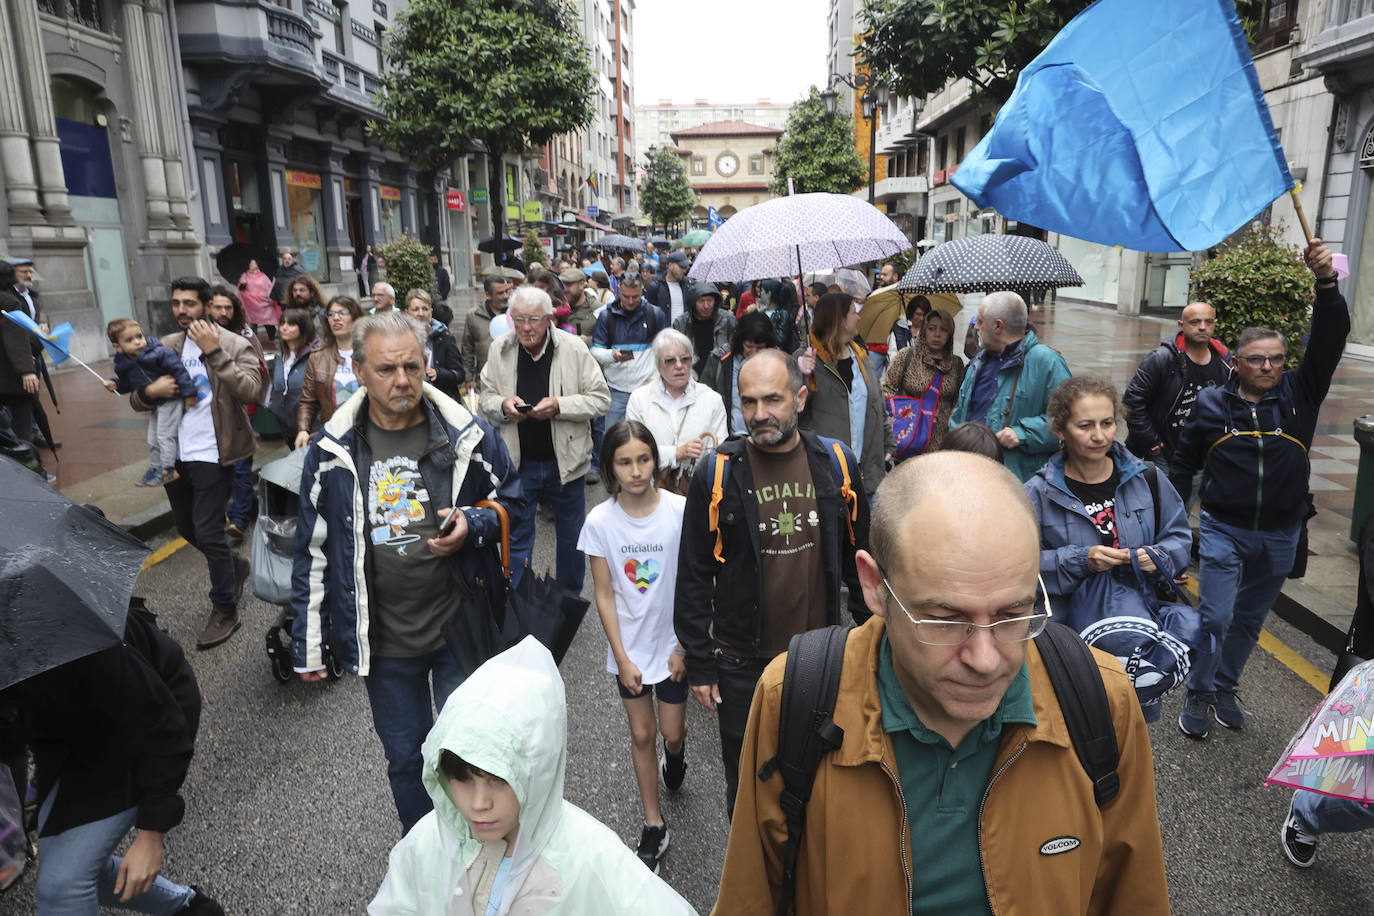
x: 677, y: 360
x: 1256, y: 362
x: 335, y: 313
x: 525, y: 322
x: 957, y: 632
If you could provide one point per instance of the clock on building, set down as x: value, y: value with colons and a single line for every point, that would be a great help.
x: 727, y: 164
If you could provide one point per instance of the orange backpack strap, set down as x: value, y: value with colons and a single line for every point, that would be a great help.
x: 847, y: 493
x: 713, y: 510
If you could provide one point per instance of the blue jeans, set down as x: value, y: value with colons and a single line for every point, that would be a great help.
x: 619, y: 400
x: 398, y: 690
x: 77, y: 870
x: 1325, y: 814
x: 598, y: 434
x: 244, y: 503
x: 1240, y: 573
x: 538, y: 480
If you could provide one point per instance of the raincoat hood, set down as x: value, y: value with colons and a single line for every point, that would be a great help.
x: 509, y: 719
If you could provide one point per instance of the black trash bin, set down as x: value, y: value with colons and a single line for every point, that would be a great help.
x: 1364, y: 479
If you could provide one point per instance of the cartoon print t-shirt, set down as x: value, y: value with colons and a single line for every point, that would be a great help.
x: 642, y: 555
x: 413, y: 591
x: 196, y: 436
x: 345, y: 382
x: 1099, y: 501
x: 791, y: 568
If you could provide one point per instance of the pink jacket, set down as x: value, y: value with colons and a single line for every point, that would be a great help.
x: 254, y: 289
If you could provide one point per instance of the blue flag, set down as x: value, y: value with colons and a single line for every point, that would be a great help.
x: 1141, y: 124
x: 55, y: 341
x: 713, y: 220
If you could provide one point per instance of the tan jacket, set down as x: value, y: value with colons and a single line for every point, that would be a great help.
x: 575, y: 380
x: 235, y: 381
x: 317, y: 390
x: 855, y: 856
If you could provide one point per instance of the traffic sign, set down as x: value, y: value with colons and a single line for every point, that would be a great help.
x: 593, y: 210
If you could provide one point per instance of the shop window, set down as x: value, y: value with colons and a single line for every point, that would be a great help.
x: 390, y: 212
x: 305, y: 210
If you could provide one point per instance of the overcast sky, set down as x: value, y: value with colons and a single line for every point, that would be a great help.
x: 728, y: 50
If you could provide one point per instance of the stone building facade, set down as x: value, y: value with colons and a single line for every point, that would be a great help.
x: 728, y: 164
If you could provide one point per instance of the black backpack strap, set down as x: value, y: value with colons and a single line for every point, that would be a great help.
x: 1083, y: 699
x: 806, y: 732
x: 1152, y: 478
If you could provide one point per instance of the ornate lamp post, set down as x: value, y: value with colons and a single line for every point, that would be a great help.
x: 873, y: 98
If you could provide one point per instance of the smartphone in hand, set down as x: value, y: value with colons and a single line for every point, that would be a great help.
x: 449, y: 523
x: 524, y: 408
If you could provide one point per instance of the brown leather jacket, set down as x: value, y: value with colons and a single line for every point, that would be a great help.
x: 855, y: 857
x: 235, y: 381
x: 317, y: 391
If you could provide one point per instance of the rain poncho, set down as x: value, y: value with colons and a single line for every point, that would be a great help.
x: 510, y: 719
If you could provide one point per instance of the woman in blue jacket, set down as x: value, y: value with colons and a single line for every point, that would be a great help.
x: 296, y: 339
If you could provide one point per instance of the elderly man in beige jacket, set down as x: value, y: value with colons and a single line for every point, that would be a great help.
x: 543, y: 388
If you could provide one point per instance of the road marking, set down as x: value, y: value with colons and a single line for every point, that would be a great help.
x: 1285, y: 655
x: 163, y: 552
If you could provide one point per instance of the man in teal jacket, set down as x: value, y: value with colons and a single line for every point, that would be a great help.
x: 1008, y: 384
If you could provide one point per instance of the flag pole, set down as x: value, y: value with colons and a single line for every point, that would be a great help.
x: 1302, y: 217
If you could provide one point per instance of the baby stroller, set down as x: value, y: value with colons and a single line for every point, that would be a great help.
x: 274, y: 539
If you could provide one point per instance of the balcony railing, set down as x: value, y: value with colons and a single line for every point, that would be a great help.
x: 1339, y: 12
x: 289, y: 30
x: 363, y: 32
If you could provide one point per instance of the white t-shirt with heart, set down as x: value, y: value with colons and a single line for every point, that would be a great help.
x: 642, y: 555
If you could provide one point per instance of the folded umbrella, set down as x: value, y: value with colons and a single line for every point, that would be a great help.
x: 66, y: 575
x: 987, y: 263
x: 1333, y: 752
x: 797, y: 234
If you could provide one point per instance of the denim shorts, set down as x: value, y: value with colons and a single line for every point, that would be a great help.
x: 668, y: 691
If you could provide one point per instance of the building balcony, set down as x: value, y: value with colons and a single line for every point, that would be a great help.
x: 896, y: 190
x: 1345, y: 45
x: 233, y: 44
x: 350, y: 85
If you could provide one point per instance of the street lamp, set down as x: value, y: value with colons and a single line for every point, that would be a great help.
x: 873, y: 98
x: 651, y: 170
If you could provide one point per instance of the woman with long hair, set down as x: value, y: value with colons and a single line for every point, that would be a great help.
x: 753, y: 332
x: 329, y: 378
x: 928, y: 363
x: 846, y: 401
x: 296, y: 340
x: 443, y: 364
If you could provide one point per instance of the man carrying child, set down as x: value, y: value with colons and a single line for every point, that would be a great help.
x: 138, y: 362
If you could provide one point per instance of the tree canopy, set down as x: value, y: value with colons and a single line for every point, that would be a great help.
x: 667, y: 195
x: 916, y: 46
x: 509, y: 73
x: 816, y: 150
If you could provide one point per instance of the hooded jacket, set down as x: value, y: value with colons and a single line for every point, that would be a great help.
x: 827, y: 410
x: 1153, y: 392
x: 723, y: 323
x: 464, y: 462
x: 1067, y: 534
x: 447, y: 362
x: 1254, y: 455
x: 856, y: 858
x: 911, y: 372
x: 1033, y: 371
x: 286, y: 389
x: 510, y: 719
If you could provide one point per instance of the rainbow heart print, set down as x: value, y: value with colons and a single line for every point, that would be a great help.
x: 642, y: 573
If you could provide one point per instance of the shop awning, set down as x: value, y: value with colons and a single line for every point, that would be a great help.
x: 593, y: 223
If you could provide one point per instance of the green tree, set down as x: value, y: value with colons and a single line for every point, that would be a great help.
x: 407, y: 266
x: 816, y: 150
x: 511, y: 74
x: 1257, y: 281
x: 917, y: 46
x: 667, y: 196
x: 533, y: 252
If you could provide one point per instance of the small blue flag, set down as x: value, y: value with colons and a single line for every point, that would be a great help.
x: 56, y: 341
x: 1140, y: 125
x: 713, y: 220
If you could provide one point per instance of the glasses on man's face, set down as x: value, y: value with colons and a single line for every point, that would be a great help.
x: 335, y: 314
x: 526, y: 322
x: 956, y: 632
x: 1259, y: 360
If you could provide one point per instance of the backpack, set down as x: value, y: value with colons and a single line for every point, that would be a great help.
x: 807, y: 729
x: 720, y: 473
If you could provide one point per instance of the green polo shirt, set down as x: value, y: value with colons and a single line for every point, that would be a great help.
x: 942, y: 788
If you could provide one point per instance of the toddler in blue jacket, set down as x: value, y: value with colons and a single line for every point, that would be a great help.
x: 139, y: 362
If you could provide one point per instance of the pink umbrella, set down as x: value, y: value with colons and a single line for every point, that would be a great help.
x: 1333, y: 752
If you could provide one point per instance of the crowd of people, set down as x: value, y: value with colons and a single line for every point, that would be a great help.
x: 765, y: 473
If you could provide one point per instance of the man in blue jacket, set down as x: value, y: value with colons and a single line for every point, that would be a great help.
x: 1249, y: 438
x: 1008, y: 384
x: 373, y: 569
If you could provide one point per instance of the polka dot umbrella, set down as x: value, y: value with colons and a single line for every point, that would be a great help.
x: 986, y: 263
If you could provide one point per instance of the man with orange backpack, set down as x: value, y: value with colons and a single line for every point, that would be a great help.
x: 771, y: 528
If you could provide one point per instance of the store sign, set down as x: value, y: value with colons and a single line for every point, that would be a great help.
x: 303, y: 179
x: 938, y: 178
x: 390, y: 192
x: 456, y: 201
x: 479, y: 195
x: 534, y: 212
x: 593, y: 210
x: 547, y: 242
x: 513, y: 212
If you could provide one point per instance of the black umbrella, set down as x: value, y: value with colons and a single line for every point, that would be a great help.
x: 233, y: 260
x: 493, y: 616
x: 987, y: 263
x: 659, y: 240
x: 619, y: 243
x: 505, y: 243
x: 66, y: 575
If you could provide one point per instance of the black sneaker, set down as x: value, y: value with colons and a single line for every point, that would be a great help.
x: 653, y: 843
x: 1298, y: 845
x: 1193, y: 720
x: 202, y: 905
x: 1228, y: 710
x: 673, y: 766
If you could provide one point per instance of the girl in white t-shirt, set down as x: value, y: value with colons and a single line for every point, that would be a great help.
x: 632, y: 540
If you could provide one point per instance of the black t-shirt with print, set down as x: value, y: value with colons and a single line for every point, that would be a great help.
x: 1195, y: 378
x: 1099, y: 500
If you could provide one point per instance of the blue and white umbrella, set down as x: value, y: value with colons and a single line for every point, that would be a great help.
x: 797, y: 234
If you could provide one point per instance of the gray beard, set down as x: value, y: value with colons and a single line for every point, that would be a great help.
x: 770, y: 439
